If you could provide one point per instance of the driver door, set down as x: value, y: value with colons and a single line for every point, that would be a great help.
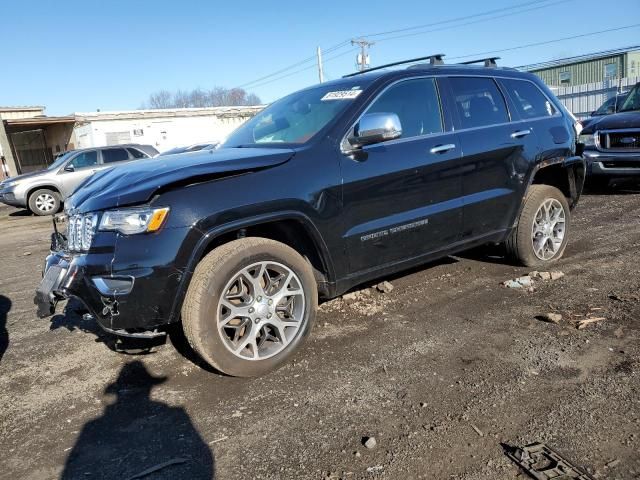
x: 402, y: 197
x: 83, y: 165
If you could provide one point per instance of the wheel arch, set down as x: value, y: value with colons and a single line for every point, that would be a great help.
x: 291, y: 228
x: 46, y: 186
x: 566, y: 174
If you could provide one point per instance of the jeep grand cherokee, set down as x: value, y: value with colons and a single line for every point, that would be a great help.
x: 327, y: 188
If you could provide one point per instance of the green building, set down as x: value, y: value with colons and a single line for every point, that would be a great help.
x: 590, y: 68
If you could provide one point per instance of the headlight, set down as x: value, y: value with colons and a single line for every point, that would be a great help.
x: 588, y: 140
x: 8, y: 183
x: 130, y: 221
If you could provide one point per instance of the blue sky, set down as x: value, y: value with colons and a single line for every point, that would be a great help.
x: 80, y: 55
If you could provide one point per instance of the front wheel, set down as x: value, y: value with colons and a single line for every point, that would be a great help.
x: 250, y: 306
x: 44, y: 202
x: 541, y: 234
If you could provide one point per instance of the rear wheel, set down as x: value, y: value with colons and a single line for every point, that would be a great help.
x: 250, y: 306
x: 44, y: 202
x: 541, y: 235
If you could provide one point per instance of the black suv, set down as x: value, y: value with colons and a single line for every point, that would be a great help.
x: 327, y: 188
x: 611, y: 143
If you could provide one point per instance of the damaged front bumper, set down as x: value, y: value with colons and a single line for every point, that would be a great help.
x: 130, y: 297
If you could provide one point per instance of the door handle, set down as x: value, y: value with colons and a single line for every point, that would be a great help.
x: 520, y: 133
x: 442, y: 148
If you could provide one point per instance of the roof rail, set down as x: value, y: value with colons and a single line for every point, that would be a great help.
x: 488, y: 62
x: 435, y: 59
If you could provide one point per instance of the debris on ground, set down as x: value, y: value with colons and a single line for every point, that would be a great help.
x: 613, y: 463
x: 519, y: 282
x: 477, y: 430
x: 384, y: 287
x: 583, y: 323
x: 369, y: 442
x: 556, y: 275
x: 551, y: 317
x: 374, y: 469
x: 543, y: 463
x: 160, y: 466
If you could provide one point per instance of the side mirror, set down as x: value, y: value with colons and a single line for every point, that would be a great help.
x: 375, y: 128
x: 611, y: 109
x: 69, y: 168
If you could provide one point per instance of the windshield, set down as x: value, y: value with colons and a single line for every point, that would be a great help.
x: 295, y: 118
x: 61, y: 159
x: 633, y: 100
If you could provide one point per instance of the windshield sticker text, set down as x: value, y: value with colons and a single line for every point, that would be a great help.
x: 341, y: 95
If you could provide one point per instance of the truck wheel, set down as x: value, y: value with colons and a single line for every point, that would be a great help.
x: 543, y: 227
x: 250, y: 306
x: 44, y: 202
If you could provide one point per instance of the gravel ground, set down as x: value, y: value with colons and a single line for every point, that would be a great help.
x: 442, y: 370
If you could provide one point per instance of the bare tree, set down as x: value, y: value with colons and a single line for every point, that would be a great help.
x: 198, y: 98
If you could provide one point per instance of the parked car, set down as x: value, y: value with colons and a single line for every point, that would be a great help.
x: 43, y: 192
x: 327, y: 188
x: 611, y: 143
x: 191, y: 148
x: 611, y: 105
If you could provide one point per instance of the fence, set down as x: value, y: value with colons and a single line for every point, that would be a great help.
x: 581, y: 100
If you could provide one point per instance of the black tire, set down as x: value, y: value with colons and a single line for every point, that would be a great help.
x: 211, y: 276
x: 519, y: 245
x: 45, y: 202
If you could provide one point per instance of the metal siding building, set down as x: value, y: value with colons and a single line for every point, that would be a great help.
x: 590, y: 68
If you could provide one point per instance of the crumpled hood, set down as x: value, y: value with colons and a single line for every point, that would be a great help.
x: 136, y: 182
x: 613, y: 121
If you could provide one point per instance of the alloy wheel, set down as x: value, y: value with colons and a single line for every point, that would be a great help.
x: 261, y: 310
x: 548, y: 229
x: 45, y: 202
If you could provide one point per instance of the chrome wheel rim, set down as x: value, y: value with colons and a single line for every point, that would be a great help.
x: 45, y: 202
x: 261, y: 310
x: 548, y: 229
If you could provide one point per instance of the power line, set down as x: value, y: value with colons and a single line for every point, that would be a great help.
x: 453, y: 20
x: 495, y: 17
x: 441, y: 22
x: 325, y: 60
x: 546, y: 42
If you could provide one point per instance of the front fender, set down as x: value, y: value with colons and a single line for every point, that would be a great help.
x: 207, y: 238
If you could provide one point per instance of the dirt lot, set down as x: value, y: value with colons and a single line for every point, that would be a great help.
x: 441, y: 371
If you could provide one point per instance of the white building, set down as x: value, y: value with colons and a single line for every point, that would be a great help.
x: 30, y: 140
x: 164, y: 128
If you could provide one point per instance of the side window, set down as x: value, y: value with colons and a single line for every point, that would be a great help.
x: 416, y: 104
x: 529, y: 100
x: 85, y: 160
x: 111, y: 155
x: 136, y: 153
x: 478, y: 101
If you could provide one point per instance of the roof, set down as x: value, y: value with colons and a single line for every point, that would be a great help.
x: 37, y: 121
x: 578, y: 59
x: 169, y: 112
x: 22, y: 109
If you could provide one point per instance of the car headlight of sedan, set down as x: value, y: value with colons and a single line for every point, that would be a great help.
x: 589, y: 140
x: 130, y: 221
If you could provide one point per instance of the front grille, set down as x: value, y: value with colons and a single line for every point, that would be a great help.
x: 80, y: 231
x: 624, y: 141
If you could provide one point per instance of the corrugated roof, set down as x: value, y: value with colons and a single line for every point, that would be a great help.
x: 169, y: 112
x: 577, y: 59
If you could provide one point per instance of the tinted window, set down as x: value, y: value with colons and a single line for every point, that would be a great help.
x: 416, y: 104
x: 478, y: 101
x: 529, y: 100
x: 136, y: 153
x: 85, y: 159
x: 114, y: 155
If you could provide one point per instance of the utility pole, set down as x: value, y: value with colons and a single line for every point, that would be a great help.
x: 320, y: 72
x: 363, y: 57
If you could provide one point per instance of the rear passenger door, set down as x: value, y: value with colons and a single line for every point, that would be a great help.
x: 113, y: 156
x: 496, y: 154
x: 402, y: 197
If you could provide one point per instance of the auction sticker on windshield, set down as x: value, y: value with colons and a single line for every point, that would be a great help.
x: 341, y: 95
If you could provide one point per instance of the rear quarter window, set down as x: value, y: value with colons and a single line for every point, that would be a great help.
x: 529, y: 101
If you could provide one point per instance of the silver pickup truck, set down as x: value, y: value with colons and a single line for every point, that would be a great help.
x: 44, y: 191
